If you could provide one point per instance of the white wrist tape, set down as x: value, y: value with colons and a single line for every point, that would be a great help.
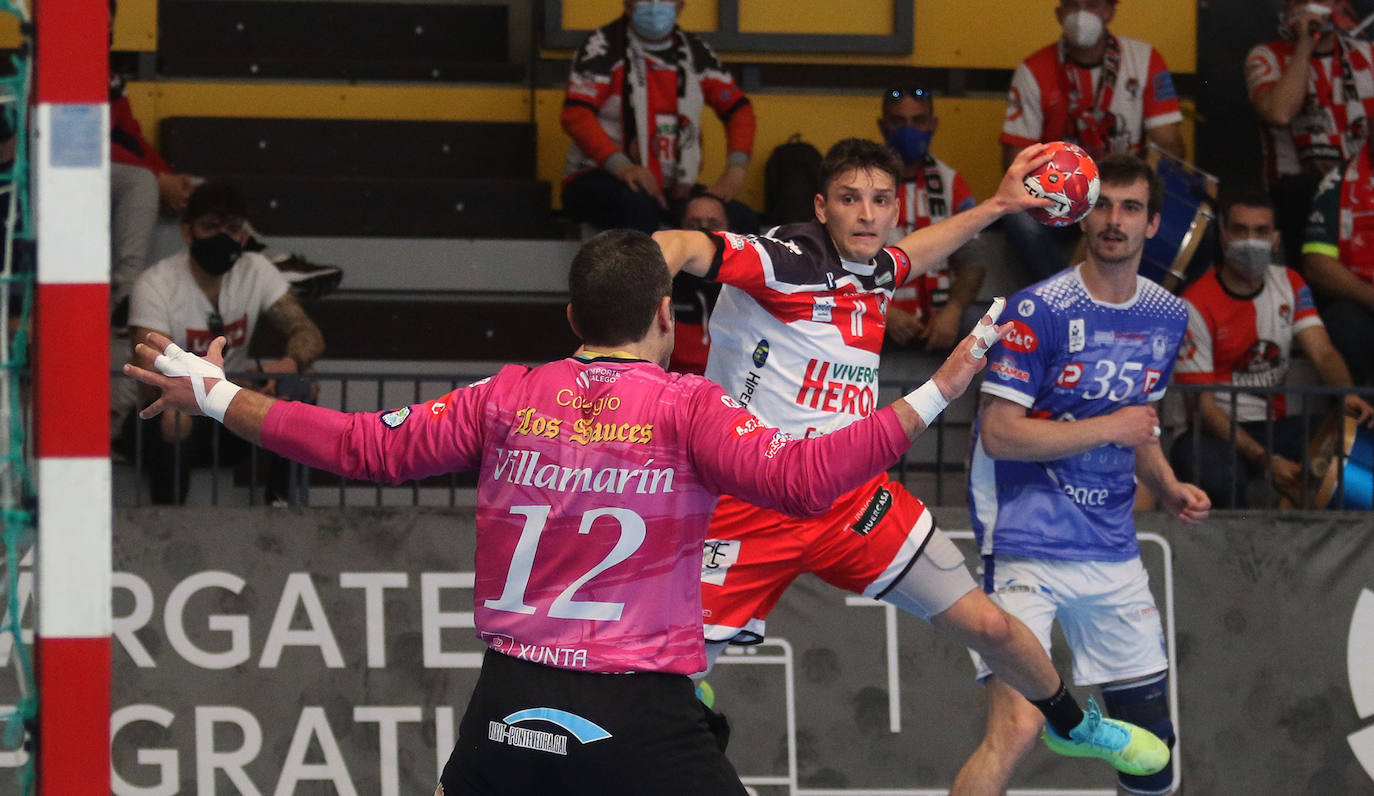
x: 216, y: 402
x: 176, y: 363
x: 984, y: 332
x: 928, y: 401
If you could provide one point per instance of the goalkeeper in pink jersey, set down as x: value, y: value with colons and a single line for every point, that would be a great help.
x: 598, y: 477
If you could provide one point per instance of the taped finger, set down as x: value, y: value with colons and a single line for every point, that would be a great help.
x: 985, y: 331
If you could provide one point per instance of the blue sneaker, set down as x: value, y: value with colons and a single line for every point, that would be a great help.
x: 1130, y: 749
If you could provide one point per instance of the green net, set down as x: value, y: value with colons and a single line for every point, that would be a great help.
x: 17, y: 275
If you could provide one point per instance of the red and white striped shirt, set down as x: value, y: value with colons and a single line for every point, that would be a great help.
x: 1321, y: 135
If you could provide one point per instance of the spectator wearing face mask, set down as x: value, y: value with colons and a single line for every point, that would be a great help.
x: 1313, y: 89
x: 1104, y: 92
x: 929, y: 312
x: 1242, y: 321
x: 633, y: 110
x: 214, y: 288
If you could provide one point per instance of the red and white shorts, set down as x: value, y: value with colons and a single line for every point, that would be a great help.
x: 864, y: 544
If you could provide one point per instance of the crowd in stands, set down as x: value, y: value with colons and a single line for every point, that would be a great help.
x: 1294, y: 261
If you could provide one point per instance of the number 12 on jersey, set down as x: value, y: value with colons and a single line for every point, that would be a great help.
x: 632, y: 534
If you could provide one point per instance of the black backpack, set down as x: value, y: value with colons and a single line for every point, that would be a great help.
x: 791, y: 180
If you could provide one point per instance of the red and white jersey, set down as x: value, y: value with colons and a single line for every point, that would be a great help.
x: 597, y: 480
x: 1244, y: 340
x: 1331, y: 126
x: 1142, y: 97
x: 598, y: 116
x: 934, y: 194
x: 797, y: 332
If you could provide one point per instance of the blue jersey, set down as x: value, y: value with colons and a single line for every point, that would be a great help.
x: 1068, y: 358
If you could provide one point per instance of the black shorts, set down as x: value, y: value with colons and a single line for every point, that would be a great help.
x: 534, y: 729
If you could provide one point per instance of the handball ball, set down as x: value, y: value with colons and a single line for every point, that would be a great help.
x: 1070, y: 179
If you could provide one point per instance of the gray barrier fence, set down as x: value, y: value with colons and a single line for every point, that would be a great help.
x: 935, y: 467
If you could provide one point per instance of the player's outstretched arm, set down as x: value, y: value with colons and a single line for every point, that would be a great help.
x: 929, y: 246
x: 917, y: 410
x: 686, y: 250
x: 196, y: 386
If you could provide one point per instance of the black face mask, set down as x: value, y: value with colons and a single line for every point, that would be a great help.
x: 216, y: 254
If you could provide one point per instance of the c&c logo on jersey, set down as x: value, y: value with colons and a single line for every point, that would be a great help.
x: 1021, y: 338
x: 1152, y: 377
x: 1070, y: 375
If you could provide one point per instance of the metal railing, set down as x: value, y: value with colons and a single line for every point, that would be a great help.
x: 935, y: 468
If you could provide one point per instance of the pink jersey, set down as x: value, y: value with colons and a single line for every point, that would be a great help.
x: 598, y: 479
x: 797, y: 331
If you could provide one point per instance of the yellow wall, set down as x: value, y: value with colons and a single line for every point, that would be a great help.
x: 949, y: 33
x: 986, y: 34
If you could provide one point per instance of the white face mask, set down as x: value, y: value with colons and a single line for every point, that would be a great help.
x: 1083, y: 28
x: 1249, y: 256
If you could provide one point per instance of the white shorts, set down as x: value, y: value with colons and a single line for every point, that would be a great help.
x: 1105, y: 609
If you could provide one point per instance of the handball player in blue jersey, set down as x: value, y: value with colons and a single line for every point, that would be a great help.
x: 1065, y: 428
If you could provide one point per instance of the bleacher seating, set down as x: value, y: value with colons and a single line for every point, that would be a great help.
x: 370, y: 178
x: 331, y: 40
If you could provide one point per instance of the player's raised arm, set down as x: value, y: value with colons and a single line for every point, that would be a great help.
x: 929, y: 246
x: 917, y: 410
x: 687, y: 250
x: 352, y: 444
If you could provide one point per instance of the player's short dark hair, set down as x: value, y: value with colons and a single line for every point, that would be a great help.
x: 616, y: 283
x: 1123, y: 168
x: 858, y: 153
x: 215, y: 198
x: 1249, y: 196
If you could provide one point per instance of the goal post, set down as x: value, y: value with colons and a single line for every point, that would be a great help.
x: 71, y: 163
